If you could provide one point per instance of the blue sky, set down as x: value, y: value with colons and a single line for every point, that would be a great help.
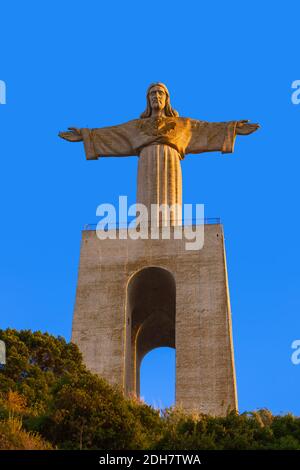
x: 89, y: 64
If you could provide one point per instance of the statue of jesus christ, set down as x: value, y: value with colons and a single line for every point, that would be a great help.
x: 160, y: 138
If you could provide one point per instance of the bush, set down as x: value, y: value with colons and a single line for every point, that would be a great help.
x: 48, y: 399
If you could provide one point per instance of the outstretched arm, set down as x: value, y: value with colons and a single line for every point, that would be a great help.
x: 217, y: 136
x: 113, y: 141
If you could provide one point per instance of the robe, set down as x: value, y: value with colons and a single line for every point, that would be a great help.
x: 160, y: 143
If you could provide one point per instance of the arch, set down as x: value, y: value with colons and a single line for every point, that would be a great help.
x: 150, y: 319
x: 158, y: 381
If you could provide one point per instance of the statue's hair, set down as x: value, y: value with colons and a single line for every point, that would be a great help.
x: 169, y: 111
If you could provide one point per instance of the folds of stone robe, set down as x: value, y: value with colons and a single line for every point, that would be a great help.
x: 160, y: 183
x: 160, y: 144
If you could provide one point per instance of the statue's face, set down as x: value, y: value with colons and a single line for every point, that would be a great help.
x: 157, y: 96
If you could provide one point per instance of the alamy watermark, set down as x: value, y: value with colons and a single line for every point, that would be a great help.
x: 296, y: 94
x: 2, y: 353
x: 161, y: 221
x: 2, y: 92
x: 295, y: 357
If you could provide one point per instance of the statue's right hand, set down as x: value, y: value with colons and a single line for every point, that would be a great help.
x: 73, y: 135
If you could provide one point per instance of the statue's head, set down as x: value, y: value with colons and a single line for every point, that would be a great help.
x: 158, y: 98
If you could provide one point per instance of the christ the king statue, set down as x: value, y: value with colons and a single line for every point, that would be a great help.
x: 160, y: 138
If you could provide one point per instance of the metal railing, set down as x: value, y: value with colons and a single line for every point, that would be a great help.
x: 122, y: 225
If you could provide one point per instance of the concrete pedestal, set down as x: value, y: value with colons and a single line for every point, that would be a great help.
x: 136, y: 295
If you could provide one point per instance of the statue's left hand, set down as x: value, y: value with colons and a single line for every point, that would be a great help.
x: 244, y: 128
x: 73, y: 135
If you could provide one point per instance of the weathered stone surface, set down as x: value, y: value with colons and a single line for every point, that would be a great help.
x: 135, y: 295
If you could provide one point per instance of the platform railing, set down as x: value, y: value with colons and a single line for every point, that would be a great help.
x: 182, y: 222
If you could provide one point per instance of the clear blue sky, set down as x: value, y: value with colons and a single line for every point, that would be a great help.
x: 89, y: 64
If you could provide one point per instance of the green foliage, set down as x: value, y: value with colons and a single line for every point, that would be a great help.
x: 35, y: 361
x: 12, y: 434
x: 253, y: 431
x: 69, y: 406
x: 49, y: 400
x: 87, y: 413
x: 14, y: 437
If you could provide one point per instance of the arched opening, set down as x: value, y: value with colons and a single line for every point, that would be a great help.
x: 157, y: 377
x: 150, y: 319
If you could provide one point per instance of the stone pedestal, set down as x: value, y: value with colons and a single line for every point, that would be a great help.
x: 136, y: 295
